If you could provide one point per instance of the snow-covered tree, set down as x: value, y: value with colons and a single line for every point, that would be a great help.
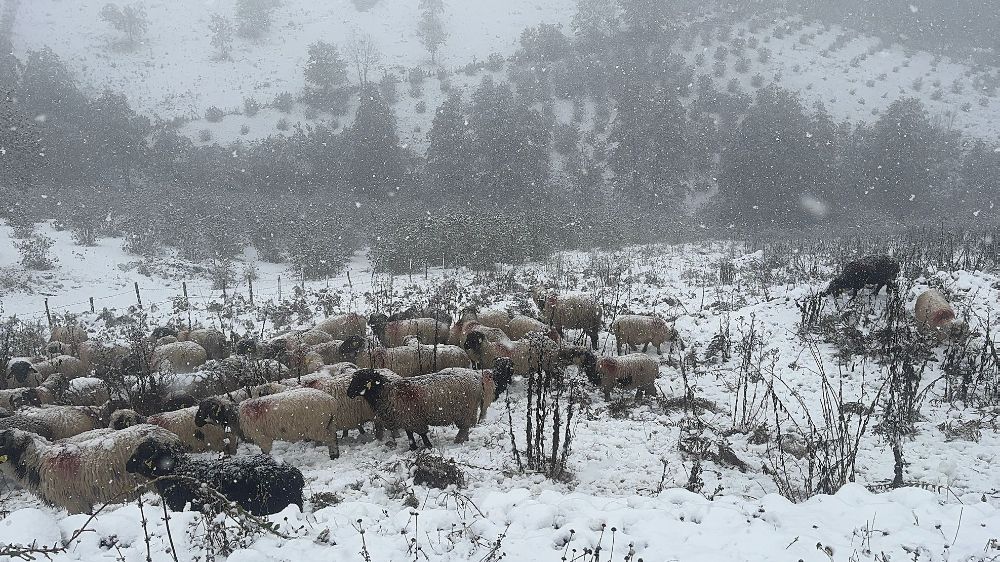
x: 222, y: 36
x: 130, y: 20
x: 253, y: 17
x: 375, y: 161
x: 326, y: 78
x: 430, y: 28
x: 447, y: 160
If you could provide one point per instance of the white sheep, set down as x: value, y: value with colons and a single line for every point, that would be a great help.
x: 635, y: 371
x: 313, y: 337
x: 298, y: 414
x: 100, y: 358
x: 67, y: 421
x: 633, y: 330
x: 575, y: 312
x: 211, y: 340
x: 179, y: 357
x: 428, y: 330
x: 521, y: 325
x: 415, y: 359
x: 77, y: 475
x: 181, y: 423
x: 344, y: 326
x: 450, y: 397
x: 350, y: 414
x: 86, y: 391
x: 72, y: 335
x: 935, y: 315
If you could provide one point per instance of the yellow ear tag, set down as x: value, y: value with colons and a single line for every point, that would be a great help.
x: 369, y: 385
x: 149, y: 464
x: 3, y: 458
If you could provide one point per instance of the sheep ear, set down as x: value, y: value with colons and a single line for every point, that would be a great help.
x: 368, y: 385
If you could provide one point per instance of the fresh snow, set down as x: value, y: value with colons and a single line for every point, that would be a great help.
x: 625, y: 471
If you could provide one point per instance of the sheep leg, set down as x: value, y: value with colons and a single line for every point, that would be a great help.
x: 265, y: 446
x: 463, y: 435
x: 343, y: 434
x: 413, y: 442
x: 645, y: 346
x: 593, y: 338
x: 333, y: 445
x: 427, y: 441
x: 618, y: 346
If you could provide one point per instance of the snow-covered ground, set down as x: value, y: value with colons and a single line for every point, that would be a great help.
x: 625, y: 469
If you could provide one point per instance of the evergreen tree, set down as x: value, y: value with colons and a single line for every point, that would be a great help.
x: 253, y: 17
x: 509, y: 146
x: 326, y: 78
x: 375, y: 161
x: 130, y: 20
x: 222, y: 36
x: 118, y: 136
x: 430, y: 28
x: 649, y: 155
x: 769, y: 164
x: 20, y: 148
x: 981, y: 176
x: 447, y: 157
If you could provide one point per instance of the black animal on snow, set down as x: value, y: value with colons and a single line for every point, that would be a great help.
x: 503, y: 374
x: 258, y: 483
x: 875, y: 271
x: 162, y: 332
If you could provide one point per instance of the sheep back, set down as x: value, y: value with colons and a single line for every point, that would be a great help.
x: 635, y: 371
x: 344, y: 326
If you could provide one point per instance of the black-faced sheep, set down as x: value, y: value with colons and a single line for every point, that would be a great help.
x: 484, y: 345
x: 451, y: 397
x: 162, y: 331
x: 25, y: 375
x: 179, y: 357
x: 344, y: 326
x: 181, y: 423
x: 295, y: 415
x: 633, y: 330
x: 81, y: 474
x: 258, y: 483
x: 575, y: 312
x: 935, y: 315
x: 635, y: 371
x: 876, y: 271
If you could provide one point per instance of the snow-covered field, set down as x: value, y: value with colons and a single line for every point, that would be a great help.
x: 626, y: 468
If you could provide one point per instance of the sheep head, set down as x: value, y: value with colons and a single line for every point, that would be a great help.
x: 351, y: 347
x: 246, y: 346
x: 162, y: 331
x: 21, y: 370
x: 474, y: 341
x: 13, y: 443
x: 378, y: 322
x: 584, y: 359
x: 125, y: 418
x: 214, y: 411
x: 367, y: 383
x: 153, y: 459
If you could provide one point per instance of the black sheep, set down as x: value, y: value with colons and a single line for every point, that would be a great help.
x: 877, y: 271
x: 258, y: 483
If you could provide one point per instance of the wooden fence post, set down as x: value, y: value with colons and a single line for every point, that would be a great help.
x: 138, y: 297
x: 250, y: 284
x: 47, y: 313
x: 92, y: 305
x: 187, y: 302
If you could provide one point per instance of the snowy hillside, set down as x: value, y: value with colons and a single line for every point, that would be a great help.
x: 173, y: 72
x: 625, y: 463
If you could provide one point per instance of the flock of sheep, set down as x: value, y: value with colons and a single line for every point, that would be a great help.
x: 71, y: 442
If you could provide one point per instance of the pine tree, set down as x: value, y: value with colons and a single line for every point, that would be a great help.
x: 509, y: 146
x: 769, y: 163
x: 222, y: 36
x: 326, y: 78
x: 447, y: 158
x: 375, y: 161
x: 649, y: 155
x: 130, y: 20
x: 118, y: 135
x: 253, y: 17
x: 430, y: 28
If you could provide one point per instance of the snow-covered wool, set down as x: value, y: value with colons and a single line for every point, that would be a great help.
x: 521, y: 325
x: 329, y: 351
x: 161, y: 332
x: 298, y: 414
x: 344, y: 326
x: 258, y: 483
x: 50, y: 391
x: 310, y: 338
x: 80, y: 475
x: 415, y: 359
x: 165, y: 340
x: 21, y: 377
x: 214, y: 342
x: 181, y: 423
x: 26, y: 423
x: 101, y: 358
x: 633, y: 330
x: 484, y: 345
x: 350, y: 414
x: 935, y: 315
x: 532, y: 354
x: 876, y: 271
x: 355, y: 347
x: 575, y: 312
x: 489, y: 317
x: 72, y: 335
x: 635, y: 371
x: 85, y: 391
x: 67, y: 421
x: 428, y: 330
x: 179, y: 357
x: 452, y: 396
